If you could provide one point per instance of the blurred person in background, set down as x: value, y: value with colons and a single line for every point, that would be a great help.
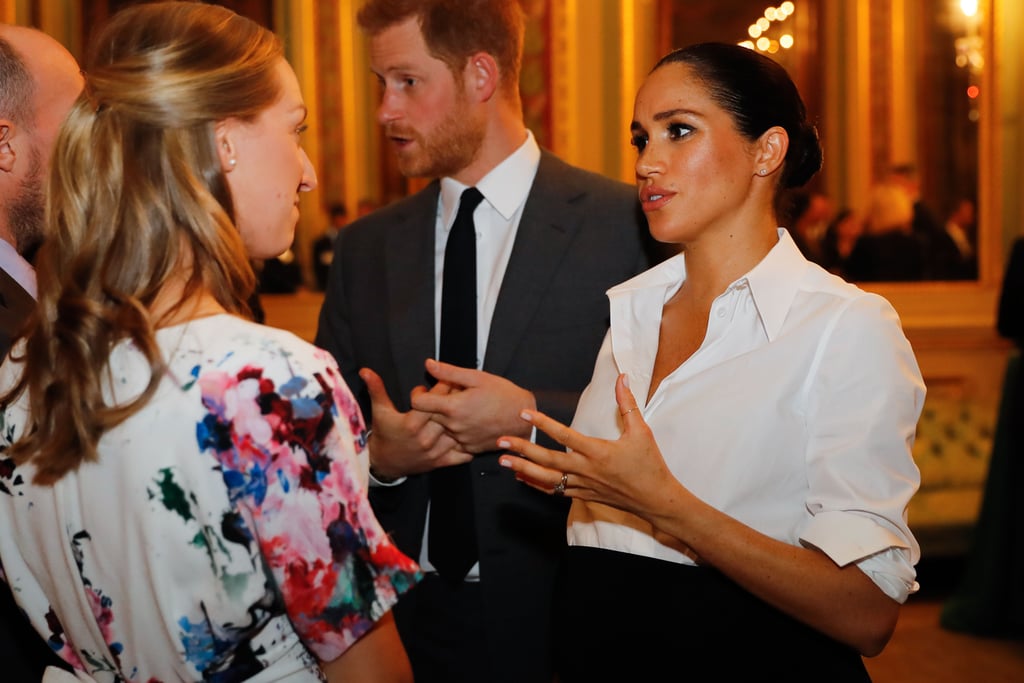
x: 961, y: 226
x: 807, y: 217
x: 941, y: 258
x: 323, y: 246
x: 840, y: 238
x: 889, y: 249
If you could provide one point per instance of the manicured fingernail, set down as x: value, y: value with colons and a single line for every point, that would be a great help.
x: 503, y: 443
x: 504, y: 462
x: 526, y: 416
x: 625, y: 381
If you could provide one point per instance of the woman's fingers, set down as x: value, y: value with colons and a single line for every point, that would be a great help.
x: 535, y: 465
x: 543, y: 478
x: 628, y: 407
x: 537, y: 454
x: 562, y: 434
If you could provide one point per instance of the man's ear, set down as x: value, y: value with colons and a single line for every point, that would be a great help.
x: 481, y: 76
x: 7, y: 155
x: 771, y: 150
x: 223, y: 133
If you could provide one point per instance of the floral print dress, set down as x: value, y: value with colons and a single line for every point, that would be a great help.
x: 223, y: 534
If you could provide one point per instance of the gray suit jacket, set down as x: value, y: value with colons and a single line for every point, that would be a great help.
x: 15, y: 306
x: 580, y: 234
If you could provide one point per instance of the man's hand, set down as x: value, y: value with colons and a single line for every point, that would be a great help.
x: 407, y: 443
x: 478, y: 407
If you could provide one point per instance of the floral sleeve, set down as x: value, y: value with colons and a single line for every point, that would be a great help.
x: 287, y: 440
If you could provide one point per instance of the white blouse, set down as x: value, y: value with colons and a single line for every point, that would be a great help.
x: 795, y: 416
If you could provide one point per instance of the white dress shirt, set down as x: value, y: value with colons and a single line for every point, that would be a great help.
x: 17, y: 267
x: 496, y: 219
x: 795, y: 416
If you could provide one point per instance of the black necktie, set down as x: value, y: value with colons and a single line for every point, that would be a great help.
x: 452, y: 541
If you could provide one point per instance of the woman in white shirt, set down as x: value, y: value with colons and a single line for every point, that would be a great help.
x: 740, y: 463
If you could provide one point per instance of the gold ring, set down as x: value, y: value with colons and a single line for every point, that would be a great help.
x: 628, y: 411
x: 560, y: 489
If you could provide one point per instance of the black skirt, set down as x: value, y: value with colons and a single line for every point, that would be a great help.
x: 623, y: 617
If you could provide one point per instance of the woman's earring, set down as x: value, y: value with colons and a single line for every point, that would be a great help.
x: 232, y: 162
x: 763, y: 171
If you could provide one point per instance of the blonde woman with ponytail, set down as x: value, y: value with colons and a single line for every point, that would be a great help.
x: 180, y: 489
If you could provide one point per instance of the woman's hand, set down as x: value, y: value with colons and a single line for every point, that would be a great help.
x: 628, y: 473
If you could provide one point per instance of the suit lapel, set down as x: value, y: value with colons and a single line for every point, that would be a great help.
x: 546, y: 231
x: 409, y: 260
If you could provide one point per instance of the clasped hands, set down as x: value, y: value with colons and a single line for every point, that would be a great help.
x: 461, y: 415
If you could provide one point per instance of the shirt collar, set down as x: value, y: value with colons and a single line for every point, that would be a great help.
x: 505, y: 187
x: 773, y: 282
x: 17, y: 267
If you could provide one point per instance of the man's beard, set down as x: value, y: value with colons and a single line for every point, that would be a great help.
x: 449, y: 148
x: 26, y: 215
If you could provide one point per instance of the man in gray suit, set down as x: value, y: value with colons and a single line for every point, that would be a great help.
x: 550, y: 239
x: 39, y: 80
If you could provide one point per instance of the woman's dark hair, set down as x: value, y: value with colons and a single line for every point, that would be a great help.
x: 758, y: 94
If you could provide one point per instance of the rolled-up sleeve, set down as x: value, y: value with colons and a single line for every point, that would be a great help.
x: 864, y: 397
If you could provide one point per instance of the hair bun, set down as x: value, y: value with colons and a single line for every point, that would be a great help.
x: 805, y: 156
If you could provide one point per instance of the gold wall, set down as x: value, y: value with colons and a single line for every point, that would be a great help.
x: 589, y: 57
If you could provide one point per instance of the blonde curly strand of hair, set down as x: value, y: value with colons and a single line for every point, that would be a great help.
x: 137, y: 196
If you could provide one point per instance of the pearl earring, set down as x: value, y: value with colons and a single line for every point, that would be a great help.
x: 763, y: 171
x: 232, y: 162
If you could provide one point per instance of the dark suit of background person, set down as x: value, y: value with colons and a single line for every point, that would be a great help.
x: 1010, y: 321
x: 39, y: 80
x: 579, y: 235
x: 941, y: 258
x: 989, y: 601
x: 323, y: 246
x: 15, y: 306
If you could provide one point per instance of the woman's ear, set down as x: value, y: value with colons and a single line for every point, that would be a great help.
x: 223, y: 133
x: 771, y: 150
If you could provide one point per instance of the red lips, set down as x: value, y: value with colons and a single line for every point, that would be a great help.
x: 653, y: 198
